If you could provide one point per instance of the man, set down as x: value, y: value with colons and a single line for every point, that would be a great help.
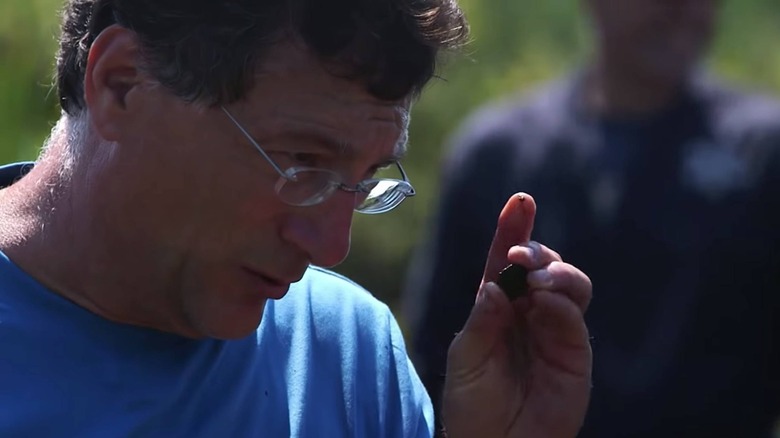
x: 663, y: 186
x: 156, y: 272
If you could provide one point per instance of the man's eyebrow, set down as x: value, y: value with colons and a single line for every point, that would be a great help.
x: 321, y: 141
x: 320, y: 138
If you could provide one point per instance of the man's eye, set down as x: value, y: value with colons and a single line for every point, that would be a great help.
x: 305, y: 159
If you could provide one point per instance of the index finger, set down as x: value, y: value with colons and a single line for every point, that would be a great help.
x: 515, y: 224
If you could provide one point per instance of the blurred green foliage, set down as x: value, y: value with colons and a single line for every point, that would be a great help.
x: 516, y: 44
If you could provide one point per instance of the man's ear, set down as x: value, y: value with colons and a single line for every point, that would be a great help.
x: 112, y: 73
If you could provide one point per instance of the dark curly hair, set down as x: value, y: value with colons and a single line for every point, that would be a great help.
x: 207, y: 51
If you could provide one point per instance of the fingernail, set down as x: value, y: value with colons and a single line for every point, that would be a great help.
x: 536, y: 249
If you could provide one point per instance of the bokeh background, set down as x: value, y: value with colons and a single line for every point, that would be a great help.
x: 516, y: 45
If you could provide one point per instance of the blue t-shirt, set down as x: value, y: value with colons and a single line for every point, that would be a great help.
x: 328, y: 360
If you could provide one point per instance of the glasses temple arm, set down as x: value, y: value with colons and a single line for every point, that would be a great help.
x: 254, y: 143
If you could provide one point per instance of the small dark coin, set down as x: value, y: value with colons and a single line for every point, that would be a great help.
x: 512, y: 280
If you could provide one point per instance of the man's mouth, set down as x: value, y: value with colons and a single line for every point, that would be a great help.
x: 272, y: 287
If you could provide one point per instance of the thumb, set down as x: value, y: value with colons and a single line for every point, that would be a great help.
x: 486, y: 326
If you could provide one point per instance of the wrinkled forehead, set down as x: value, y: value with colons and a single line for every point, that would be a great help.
x: 295, y: 87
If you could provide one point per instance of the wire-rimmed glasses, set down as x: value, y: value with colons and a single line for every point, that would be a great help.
x: 305, y: 186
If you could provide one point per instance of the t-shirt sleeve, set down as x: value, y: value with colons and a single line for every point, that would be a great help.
x: 416, y: 410
x: 360, y: 354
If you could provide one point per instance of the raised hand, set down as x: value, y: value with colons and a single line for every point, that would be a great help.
x: 521, y: 368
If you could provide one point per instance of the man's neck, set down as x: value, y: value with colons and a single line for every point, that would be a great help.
x: 24, y: 207
x: 612, y: 91
x: 57, y: 239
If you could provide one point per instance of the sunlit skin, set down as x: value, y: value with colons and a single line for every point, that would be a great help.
x: 171, y: 216
x: 170, y: 221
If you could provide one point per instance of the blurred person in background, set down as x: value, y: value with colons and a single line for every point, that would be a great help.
x: 664, y: 185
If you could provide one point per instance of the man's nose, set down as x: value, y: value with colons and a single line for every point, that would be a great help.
x: 323, y: 231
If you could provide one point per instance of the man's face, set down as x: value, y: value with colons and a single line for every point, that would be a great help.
x: 659, y: 39
x: 201, y: 206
